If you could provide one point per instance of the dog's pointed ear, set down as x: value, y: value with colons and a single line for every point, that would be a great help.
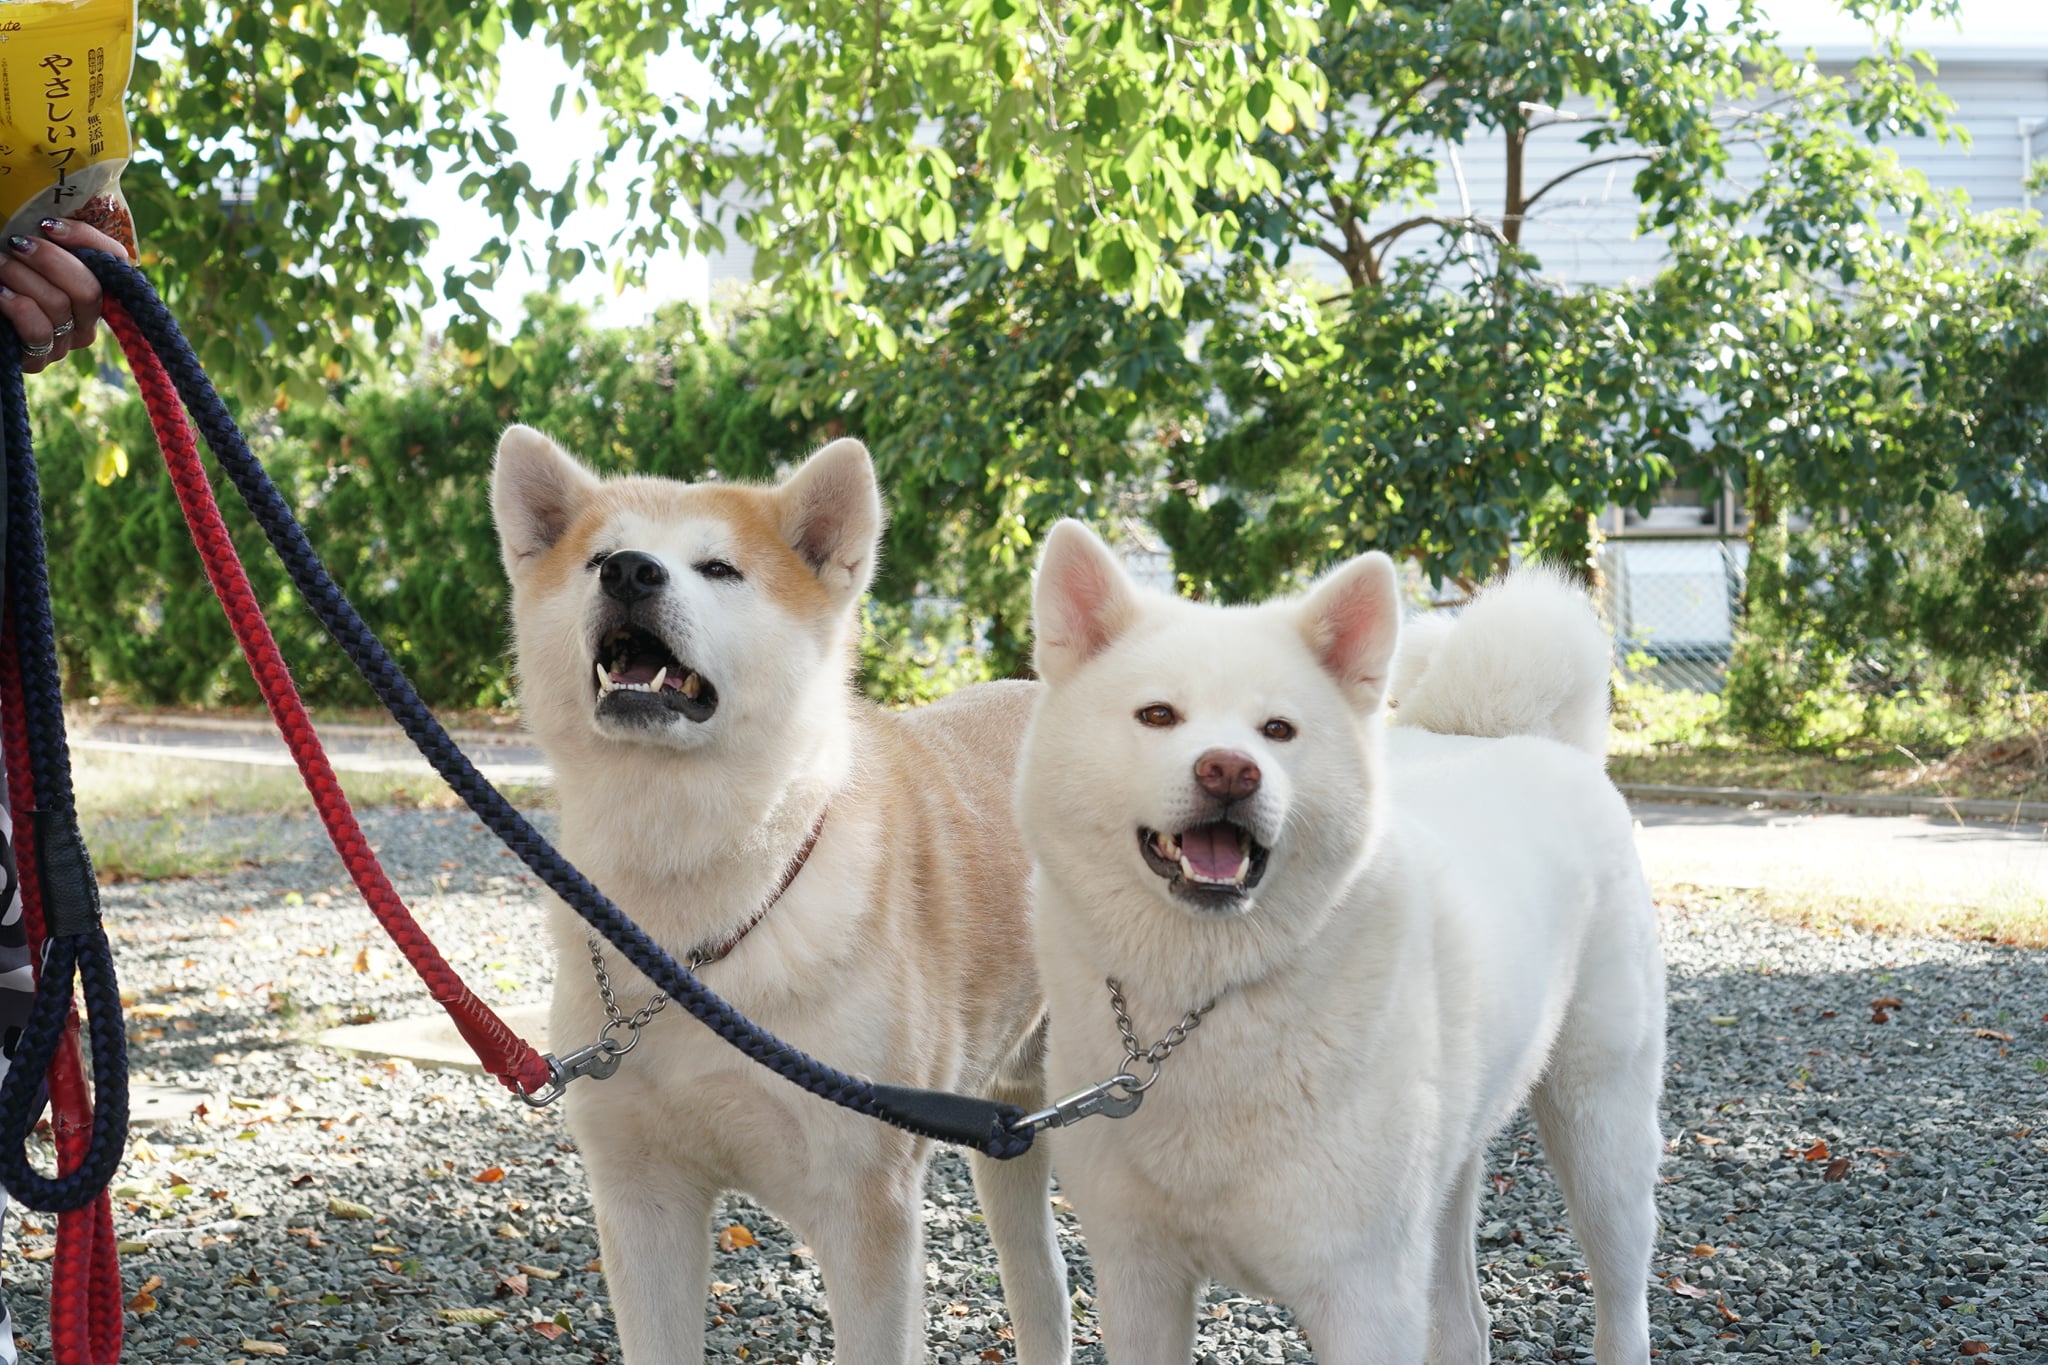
x: 832, y: 517
x: 1352, y: 621
x: 1081, y: 602
x: 537, y: 488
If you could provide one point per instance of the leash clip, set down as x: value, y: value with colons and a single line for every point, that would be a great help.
x: 599, y: 1061
x: 1101, y: 1098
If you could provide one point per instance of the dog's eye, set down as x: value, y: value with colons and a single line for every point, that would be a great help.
x: 596, y: 561
x: 717, y: 570
x: 1277, y: 730
x: 1159, y: 716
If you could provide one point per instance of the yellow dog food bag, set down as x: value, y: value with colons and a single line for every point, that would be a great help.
x: 64, y: 68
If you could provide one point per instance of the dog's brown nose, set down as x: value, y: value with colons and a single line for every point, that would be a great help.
x: 1228, y: 774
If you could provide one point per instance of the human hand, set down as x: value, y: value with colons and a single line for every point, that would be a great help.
x: 48, y: 294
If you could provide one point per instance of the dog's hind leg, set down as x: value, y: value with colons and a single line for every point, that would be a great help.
x: 1015, y: 1198
x: 1458, y: 1320
x: 1597, y: 1112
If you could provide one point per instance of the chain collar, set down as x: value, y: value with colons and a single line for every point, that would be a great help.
x: 1120, y: 1095
x: 601, y: 1059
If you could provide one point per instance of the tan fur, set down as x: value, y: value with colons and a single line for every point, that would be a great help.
x: 902, y: 952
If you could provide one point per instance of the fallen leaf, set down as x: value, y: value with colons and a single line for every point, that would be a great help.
x: 541, y: 1272
x: 1974, y: 1348
x: 514, y: 1285
x: 957, y: 1310
x: 1721, y: 1020
x: 131, y: 1248
x: 468, y: 1314
x: 548, y: 1330
x: 39, y: 1254
x: 1702, y: 1249
x: 265, y: 1348
x: 142, y: 1302
x: 1727, y: 1314
x: 1686, y: 1290
x: 992, y: 1353
x: 348, y: 1208
x: 1993, y: 1033
x: 734, y: 1237
x: 1889, y: 1002
x: 1880, y: 1017
x: 387, y: 1248
x: 1703, y: 1140
x: 2022, y: 1132
x: 490, y: 1176
x: 1837, y: 1169
x: 1817, y: 1152
x: 595, y: 1265
x: 1501, y: 1184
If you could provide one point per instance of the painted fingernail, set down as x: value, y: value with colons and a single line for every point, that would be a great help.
x: 22, y: 244
x: 51, y: 226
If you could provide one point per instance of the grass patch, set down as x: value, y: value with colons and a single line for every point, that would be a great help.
x: 1670, y: 736
x: 150, y: 818
x: 2012, y: 917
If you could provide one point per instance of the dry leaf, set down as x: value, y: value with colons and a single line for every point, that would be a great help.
x: 1837, y: 1169
x: 1702, y: 1249
x: 1817, y: 1152
x: 1974, y: 1348
x: 1993, y: 1033
x: 143, y: 1301
x: 1889, y: 1002
x: 348, y: 1208
x: 957, y: 1310
x: 39, y: 1254
x: 1879, y: 1017
x: 1501, y: 1184
x: 1703, y: 1140
x: 514, y: 1284
x: 1686, y: 1290
x: 734, y: 1237
x: 264, y: 1348
x: 540, y: 1272
x: 1727, y: 1313
x: 387, y: 1248
x: 131, y: 1248
x: 490, y: 1176
x: 992, y: 1353
x: 468, y: 1314
x: 549, y: 1330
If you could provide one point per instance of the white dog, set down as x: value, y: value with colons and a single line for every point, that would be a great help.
x: 850, y: 877
x: 1404, y: 937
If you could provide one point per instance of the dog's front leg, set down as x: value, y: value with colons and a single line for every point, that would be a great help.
x: 1147, y: 1304
x: 654, y: 1227
x: 870, y: 1247
x: 1371, y: 1311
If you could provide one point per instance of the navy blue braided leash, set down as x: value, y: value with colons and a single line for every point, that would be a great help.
x: 982, y: 1125
x: 76, y: 944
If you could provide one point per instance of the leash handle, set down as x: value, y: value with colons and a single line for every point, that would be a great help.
x: 983, y: 1125
x: 60, y: 913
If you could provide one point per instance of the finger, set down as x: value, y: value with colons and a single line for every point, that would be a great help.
x: 32, y: 325
x: 79, y: 286
x: 24, y: 279
x: 69, y: 232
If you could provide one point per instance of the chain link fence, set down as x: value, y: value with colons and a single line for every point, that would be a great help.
x: 1672, y: 603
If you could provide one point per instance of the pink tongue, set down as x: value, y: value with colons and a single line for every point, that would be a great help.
x: 1211, y: 850
x: 638, y: 671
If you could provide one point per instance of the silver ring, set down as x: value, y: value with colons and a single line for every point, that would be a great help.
x: 64, y: 329
x: 38, y: 351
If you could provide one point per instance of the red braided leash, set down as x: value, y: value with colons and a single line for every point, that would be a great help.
x: 503, y: 1053
x: 85, y: 1277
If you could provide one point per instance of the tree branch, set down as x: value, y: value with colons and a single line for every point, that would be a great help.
x: 1584, y: 166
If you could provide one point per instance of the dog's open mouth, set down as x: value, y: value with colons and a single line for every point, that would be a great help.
x: 640, y: 679
x: 1208, y: 863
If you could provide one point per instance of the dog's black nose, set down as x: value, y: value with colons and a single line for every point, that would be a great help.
x: 628, y: 575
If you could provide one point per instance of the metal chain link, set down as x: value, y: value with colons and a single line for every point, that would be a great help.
x: 1159, y: 1051
x: 615, y: 1018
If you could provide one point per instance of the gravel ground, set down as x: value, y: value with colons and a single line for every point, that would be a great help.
x: 1839, y: 1188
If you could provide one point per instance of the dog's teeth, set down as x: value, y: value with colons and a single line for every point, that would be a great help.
x: 604, y: 680
x: 692, y: 685
x: 660, y: 677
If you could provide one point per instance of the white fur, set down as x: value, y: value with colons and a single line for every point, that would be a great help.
x: 1447, y: 927
x: 1528, y: 656
x: 899, y: 953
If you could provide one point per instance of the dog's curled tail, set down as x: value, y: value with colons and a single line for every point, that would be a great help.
x: 1528, y: 656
